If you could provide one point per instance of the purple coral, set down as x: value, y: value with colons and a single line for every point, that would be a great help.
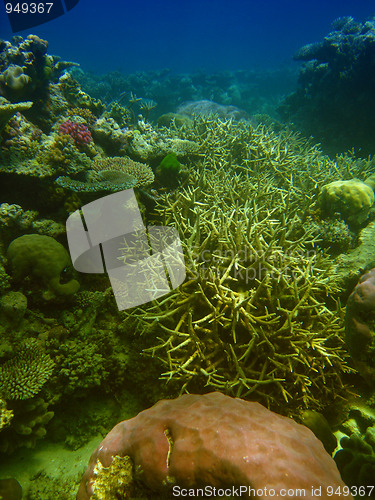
x: 79, y: 132
x: 359, y: 325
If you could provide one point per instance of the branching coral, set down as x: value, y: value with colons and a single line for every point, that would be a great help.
x: 252, y: 319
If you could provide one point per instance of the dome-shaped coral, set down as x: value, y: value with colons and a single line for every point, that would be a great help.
x: 352, y: 199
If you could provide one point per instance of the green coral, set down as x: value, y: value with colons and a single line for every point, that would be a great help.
x: 42, y: 257
x: 352, y: 199
x: 24, y: 375
x: 5, y: 415
x: 27, y: 426
x: 356, y: 461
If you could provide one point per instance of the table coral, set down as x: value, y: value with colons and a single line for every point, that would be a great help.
x: 111, y: 174
x: 215, y: 440
x: 42, y: 257
x: 360, y: 325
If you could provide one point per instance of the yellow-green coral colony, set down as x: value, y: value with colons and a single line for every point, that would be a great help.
x: 352, y: 199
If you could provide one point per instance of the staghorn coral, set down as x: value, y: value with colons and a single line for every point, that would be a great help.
x: 256, y: 316
x: 215, y: 440
x: 23, y: 376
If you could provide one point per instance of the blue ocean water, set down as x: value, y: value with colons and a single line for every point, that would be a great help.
x: 189, y: 35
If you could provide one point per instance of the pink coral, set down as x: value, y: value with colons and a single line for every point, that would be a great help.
x: 360, y: 326
x: 79, y: 132
x: 219, y: 441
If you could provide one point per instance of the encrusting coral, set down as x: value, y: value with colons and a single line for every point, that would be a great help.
x: 256, y: 316
x: 211, y: 440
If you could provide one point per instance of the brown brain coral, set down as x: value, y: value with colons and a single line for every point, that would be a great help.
x: 215, y: 440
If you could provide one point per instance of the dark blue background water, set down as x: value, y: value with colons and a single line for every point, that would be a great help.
x: 189, y: 35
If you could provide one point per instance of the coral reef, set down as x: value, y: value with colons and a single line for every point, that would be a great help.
x: 256, y: 91
x: 341, y: 65
x: 23, y: 376
x: 352, y: 199
x: 26, y: 69
x: 75, y: 96
x: 360, y: 326
x: 202, y: 440
x: 43, y: 258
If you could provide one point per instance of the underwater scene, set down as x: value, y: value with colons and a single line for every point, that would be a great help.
x: 187, y: 250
